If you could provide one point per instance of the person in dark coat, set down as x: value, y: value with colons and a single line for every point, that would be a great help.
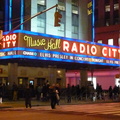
x: 1, y: 92
x: 58, y: 93
x: 15, y: 91
x: 28, y: 95
x: 53, y: 97
x: 68, y: 93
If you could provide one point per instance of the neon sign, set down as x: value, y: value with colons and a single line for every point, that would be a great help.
x: 89, y: 6
x: 88, y: 49
x: 49, y: 44
x: 47, y: 47
x: 9, y: 41
x: 74, y: 47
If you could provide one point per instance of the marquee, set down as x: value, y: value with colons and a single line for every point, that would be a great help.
x: 32, y: 45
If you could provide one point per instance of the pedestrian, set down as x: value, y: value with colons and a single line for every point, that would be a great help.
x: 28, y: 96
x: 15, y: 91
x: 68, y: 92
x: 58, y: 93
x: 53, y: 98
x: 1, y: 92
x: 39, y: 91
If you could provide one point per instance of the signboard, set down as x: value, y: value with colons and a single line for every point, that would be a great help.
x: 25, y: 44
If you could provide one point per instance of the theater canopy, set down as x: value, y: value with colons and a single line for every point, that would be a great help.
x: 32, y: 45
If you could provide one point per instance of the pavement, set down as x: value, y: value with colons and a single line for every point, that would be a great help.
x: 38, y: 103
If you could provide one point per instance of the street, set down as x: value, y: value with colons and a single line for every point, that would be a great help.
x: 98, y: 111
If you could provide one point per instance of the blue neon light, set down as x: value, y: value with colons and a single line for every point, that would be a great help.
x: 54, y: 52
x: 53, y: 59
x: 93, y: 20
x: 22, y: 14
x: 6, y: 15
x: 10, y: 15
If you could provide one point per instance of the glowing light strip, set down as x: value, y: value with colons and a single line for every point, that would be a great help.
x: 6, y: 15
x: 54, y: 52
x: 54, y: 59
x: 22, y: 14
x: 10, y: 15
x: 93, y: 20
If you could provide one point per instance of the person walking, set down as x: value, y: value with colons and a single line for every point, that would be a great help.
x: 1, y: 92
x: 15, y: 91
x: 68, y: 93
x: 53, y: 97
x: 28, y: 95
x: 58, y: 93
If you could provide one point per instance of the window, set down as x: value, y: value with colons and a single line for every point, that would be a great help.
x: 110, y: 41
x: 61, y: 5
x: 116, y: 6
x: 74, y: 9
x: 75, y: 24
x: 107, y: 8
x: 75, y: 19
x: 41, y: 19
x: 61, y: 9
x: 99, y: 41
x: 41, y: 2
x: 75, y: 6
x: 75, y: 2
x: 119, y: 41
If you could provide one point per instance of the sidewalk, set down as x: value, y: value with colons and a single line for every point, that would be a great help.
x: 35, y: 103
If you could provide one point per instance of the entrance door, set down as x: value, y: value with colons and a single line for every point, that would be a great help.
x: 4, y: 80
x: 23, y: 81
x: 40, y: 81
x: 58, y: 81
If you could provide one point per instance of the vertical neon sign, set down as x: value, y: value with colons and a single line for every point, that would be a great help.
x: 93, y: 20
x: 22, y: 14
x: 10, y: 15
x: 6, y: 15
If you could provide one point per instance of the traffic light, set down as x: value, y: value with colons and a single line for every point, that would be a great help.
x: 57, y: 19
x: 1, y: 34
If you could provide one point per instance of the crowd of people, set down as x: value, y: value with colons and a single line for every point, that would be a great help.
x: 54, y: 93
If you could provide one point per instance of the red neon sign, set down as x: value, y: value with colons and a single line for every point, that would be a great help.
x: 9, y: 41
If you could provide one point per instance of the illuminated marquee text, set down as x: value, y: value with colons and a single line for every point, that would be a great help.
x: 88, y: 49
x: 79, y: 48
x: 49, y: 44
x: 9, y: 41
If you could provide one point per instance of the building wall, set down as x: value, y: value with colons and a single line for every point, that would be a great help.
x: 32, y: 73
x: 107, y: 21
x: 84, y: 31
x: 106, y: 33
x: 105, y: 78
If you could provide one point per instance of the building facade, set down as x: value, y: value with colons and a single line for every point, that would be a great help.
x: 73, y: 24
x: 77, y: 23
x: 107, y: 21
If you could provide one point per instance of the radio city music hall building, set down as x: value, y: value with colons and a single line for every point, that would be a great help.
x: 38, y: 51
x: 49, y: 56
